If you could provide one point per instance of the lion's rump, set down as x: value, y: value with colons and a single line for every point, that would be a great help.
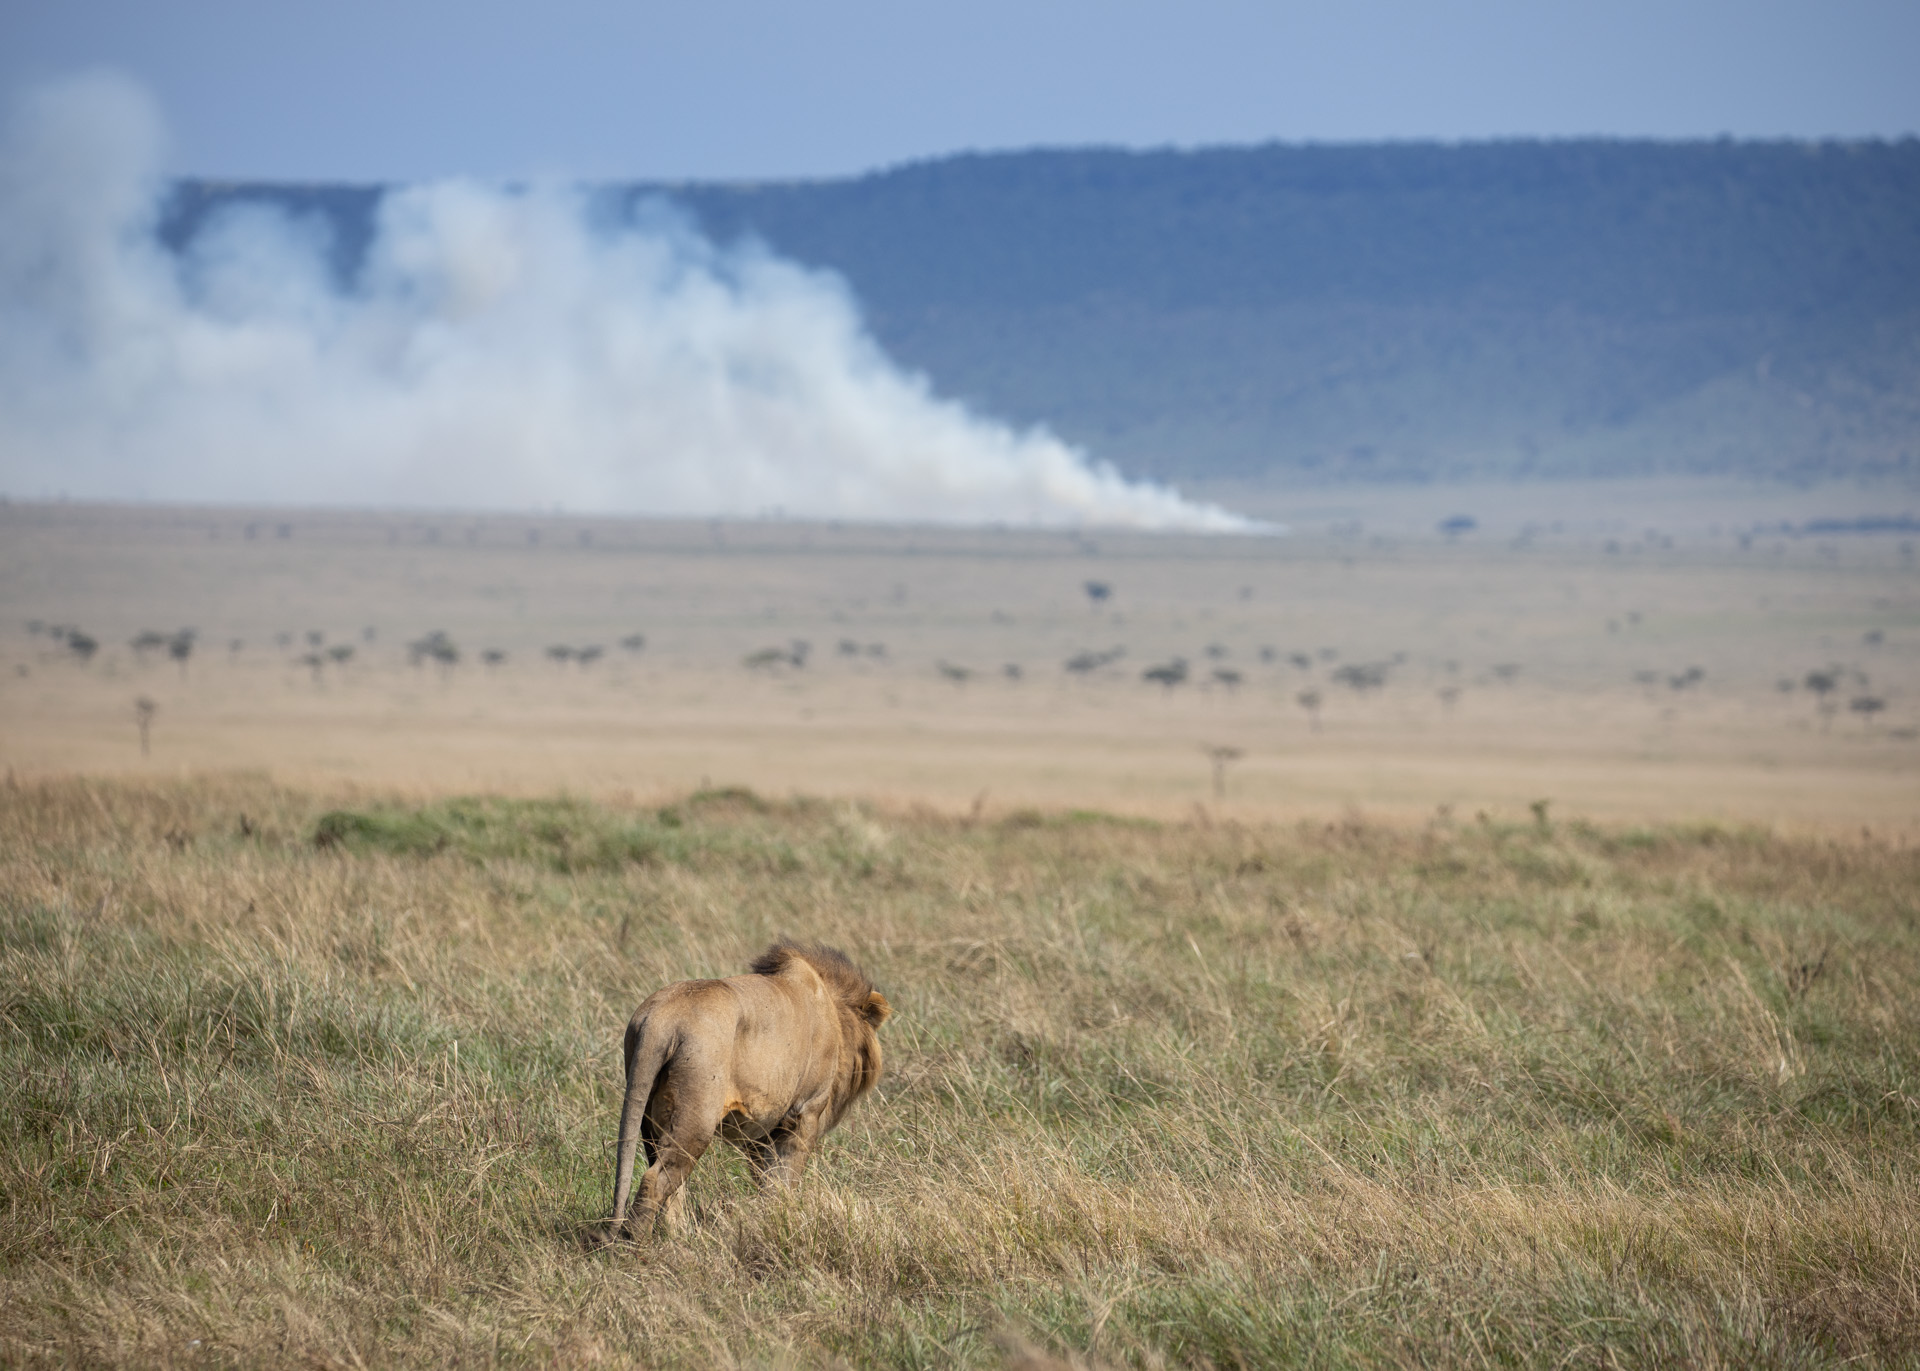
x: 769, y: 1060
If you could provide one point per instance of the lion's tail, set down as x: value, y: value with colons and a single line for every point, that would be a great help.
x: 646, y: 1055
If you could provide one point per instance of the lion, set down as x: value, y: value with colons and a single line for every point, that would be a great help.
x: 769, y: 1060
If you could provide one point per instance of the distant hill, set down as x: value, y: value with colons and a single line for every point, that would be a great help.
x: 1397, y: 311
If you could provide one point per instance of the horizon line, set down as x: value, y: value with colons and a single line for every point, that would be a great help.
x: 1803, y: 142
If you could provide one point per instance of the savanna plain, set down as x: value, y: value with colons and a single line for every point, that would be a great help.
x: 1489, y: 947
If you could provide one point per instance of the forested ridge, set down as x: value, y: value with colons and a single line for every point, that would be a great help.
x: 1388, y: 311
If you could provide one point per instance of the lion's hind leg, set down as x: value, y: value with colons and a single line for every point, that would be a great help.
x: 662, y: 1188
x: 680, y: 1135
x: 673, y: 1209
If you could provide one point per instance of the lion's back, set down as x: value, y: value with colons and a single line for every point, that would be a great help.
x: 763, y: 1045
x: 706, y: 1011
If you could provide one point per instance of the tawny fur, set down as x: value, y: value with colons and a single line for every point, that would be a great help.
x: 769, y: 1060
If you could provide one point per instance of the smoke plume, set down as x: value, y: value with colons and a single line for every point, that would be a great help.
x: 497, y: 348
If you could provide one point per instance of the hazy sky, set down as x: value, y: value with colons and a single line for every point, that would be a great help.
x: 403, y: 89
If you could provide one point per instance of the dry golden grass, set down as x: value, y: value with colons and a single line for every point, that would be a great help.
x: 1337, y: 1095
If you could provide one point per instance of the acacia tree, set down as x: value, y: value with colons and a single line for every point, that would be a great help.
x: 143, y: 712
x: 1085, y: 663
x: 1220, y: 757
x: 1168, y: 674
x: 1309, y: 700
x: 1823, y: 684
x: 435, y: 647
x: 1361, y: 677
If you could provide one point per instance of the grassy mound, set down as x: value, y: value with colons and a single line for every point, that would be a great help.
x: 564, y: 835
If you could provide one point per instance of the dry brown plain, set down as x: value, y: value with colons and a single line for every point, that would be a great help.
x: 1362, y: 578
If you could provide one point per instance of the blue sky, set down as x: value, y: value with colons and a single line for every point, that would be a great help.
x: 759, y: 88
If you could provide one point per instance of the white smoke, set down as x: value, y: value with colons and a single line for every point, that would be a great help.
x: 498, y: 349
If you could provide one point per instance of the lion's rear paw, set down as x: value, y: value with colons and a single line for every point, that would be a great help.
x: 609, y: 1234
